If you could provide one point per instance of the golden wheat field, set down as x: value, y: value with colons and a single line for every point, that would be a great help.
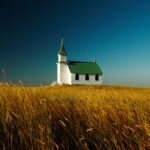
x: 74, y: 118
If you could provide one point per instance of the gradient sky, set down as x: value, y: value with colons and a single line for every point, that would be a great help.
x: 114, y: 32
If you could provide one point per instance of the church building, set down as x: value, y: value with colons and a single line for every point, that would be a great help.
x: 77, y: 72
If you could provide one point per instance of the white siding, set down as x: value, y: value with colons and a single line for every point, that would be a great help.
x: 63, y: 74
x: 82, y: 80
x: 62, y: 58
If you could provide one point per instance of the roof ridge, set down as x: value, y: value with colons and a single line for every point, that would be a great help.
x: 81, y: 61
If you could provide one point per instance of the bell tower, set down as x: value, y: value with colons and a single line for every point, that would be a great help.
x: 61, y: 64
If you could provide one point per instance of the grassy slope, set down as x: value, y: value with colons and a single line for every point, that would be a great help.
x: 75, y: 117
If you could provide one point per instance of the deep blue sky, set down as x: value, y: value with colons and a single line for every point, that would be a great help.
x: 114, y: 32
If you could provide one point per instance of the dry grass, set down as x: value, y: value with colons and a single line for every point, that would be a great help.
x: 74, y: 117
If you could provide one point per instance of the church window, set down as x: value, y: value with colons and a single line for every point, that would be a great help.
x: 96, y: 77
x: 77, y: 76
x: 86, y: 77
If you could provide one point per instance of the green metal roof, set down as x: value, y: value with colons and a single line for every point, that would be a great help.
x: 62, y: 50
x: 84, y: 67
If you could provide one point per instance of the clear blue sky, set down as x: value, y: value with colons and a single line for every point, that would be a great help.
x: 114, y: 32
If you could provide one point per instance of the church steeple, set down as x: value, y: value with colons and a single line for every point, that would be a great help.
x: 62, y: 49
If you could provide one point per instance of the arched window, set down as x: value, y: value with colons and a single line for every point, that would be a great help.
x: 77, y: 76
x: 86, y: 77
x: 96, y: 77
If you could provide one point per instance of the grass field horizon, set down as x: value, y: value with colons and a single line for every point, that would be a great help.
x: 74, y: 117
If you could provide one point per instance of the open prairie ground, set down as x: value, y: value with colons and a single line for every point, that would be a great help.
x: 74, y: 118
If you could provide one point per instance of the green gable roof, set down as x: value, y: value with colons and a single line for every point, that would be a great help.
x: 84, y: 67
x: 62, y: 50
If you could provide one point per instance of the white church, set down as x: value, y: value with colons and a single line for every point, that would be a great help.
x: 76, y: 72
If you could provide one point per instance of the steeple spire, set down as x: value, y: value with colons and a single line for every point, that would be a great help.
x: 62, y: 49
